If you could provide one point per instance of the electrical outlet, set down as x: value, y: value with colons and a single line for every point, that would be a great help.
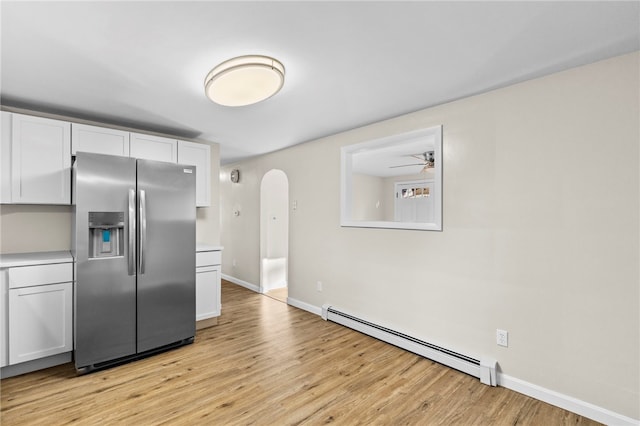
x: 234, y: 263
x: 319, y: 285
x: 502, y: 337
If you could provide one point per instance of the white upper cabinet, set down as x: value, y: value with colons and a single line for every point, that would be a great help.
x: 5, y: 159
x: 36, y: 154
x: 40, y: 160
x: 99, y: 140
x: 153, y: 148
x: 199, y: 155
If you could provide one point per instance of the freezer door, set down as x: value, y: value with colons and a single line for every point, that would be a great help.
x: 105, y: 292
x: 166, y: 255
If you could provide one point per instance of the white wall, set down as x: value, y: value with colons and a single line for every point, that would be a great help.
x: 540, y: 233
x: 25, y: 228
x: 275, y: 214
x: 369, y: 200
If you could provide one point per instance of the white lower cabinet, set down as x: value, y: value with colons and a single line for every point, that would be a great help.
x: 207, y: 292
x: 36, y: 316
x: 208, y: 271
x: 4, y: 318
x: 40, y: 321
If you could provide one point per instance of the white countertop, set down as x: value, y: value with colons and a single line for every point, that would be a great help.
x: 39, y: 258
x: 9, y: 260
x: 208, y: 247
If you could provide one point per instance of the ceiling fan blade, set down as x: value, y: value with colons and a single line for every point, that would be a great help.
x: 407, y: 165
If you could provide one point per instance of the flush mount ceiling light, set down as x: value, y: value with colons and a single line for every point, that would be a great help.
x: 244, y: 80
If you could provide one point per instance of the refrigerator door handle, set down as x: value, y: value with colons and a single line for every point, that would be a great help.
x: 131, y: 246
x: 143, y: 229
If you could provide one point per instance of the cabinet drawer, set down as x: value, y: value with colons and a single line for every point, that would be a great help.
x: 25, y: 276
x: 205, y: 258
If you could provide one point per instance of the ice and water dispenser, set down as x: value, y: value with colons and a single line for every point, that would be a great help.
x: 106, y: 234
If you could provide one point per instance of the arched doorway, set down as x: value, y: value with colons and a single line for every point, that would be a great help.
x: 274, y: 234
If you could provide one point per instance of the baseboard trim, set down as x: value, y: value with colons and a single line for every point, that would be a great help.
x: 241, y: 283
x: 566, y: 402
x: 304, y: 306
x: 208, y: 322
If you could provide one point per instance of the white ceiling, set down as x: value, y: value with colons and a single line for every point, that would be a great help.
x: 348, y: 64
x: 397, y: 155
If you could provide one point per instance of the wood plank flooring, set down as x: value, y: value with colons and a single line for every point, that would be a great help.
x: 279, y: 294
x: 266, y: 363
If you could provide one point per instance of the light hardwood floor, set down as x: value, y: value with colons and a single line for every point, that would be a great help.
x: 279, y: 294
x: 266, y: 363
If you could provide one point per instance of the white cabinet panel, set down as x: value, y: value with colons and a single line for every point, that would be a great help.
x: 208, y: 274
x: 40, y: 160
x: 207, y: 292
x: 153, y: 148
x: 5, y: 158
x: 199, y: 155
x: 40, y: 322
x: 99, y: 140
x: 4, y: 318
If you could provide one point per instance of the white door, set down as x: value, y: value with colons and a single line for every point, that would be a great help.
x: 99, y: 140
x: 40, y: 160
x: 207, y: 292
x: 199, y: 155
x: 414, y: 201
x: 40, y: 321
x: 155, y: 148
x: 5, y: 158
x: 4, y: 317
x: 274, y: 231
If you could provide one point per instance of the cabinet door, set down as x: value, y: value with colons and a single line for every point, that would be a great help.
x: 199, y: 155
x: 5, y: 159
x: 155, y: 148
x: 207, y: 292
x: 99, y: 140
x: 4, y: 318
x: 40, y: 160
x: 40, y: 322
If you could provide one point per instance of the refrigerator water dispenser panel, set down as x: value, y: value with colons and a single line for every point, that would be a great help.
x: 106, y: 234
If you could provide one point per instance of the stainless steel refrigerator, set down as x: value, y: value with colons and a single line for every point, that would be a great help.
x: 134, y: 250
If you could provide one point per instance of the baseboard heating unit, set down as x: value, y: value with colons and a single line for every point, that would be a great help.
x: 484, y: 369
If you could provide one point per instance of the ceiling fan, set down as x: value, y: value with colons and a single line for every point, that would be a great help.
x: 427, y: 160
